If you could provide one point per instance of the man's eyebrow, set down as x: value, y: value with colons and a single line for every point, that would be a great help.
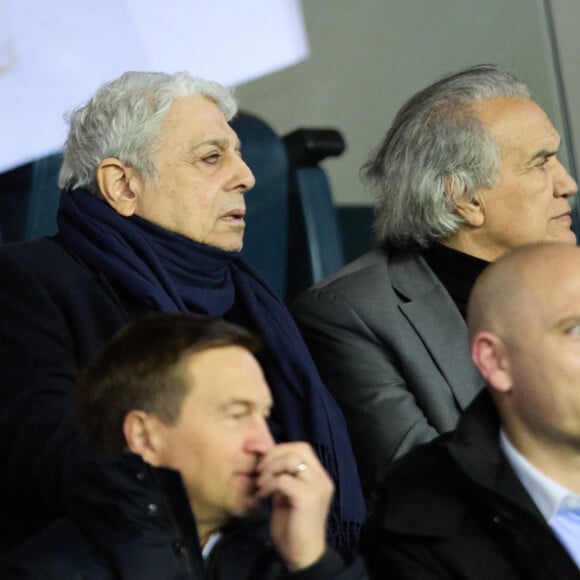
x: 220, y: 143
x: 249, y: 404
x: 243, y: 402
x: 544, y: 154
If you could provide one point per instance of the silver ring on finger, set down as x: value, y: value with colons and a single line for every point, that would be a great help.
x: 300, y: 468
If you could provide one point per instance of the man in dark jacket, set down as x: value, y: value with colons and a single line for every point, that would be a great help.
x: 151, y: 218
x: 500, y: 497
x: 177, y: 407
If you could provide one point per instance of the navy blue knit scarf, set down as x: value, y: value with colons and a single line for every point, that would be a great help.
x: 170, y: 272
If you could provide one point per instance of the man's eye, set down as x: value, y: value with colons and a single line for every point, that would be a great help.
x: 212, y: 159
x: 574, y: 330
x: 239, y: 415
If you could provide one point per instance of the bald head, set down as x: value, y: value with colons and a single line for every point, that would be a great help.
x: 512, y: 288
x: 524, y: 323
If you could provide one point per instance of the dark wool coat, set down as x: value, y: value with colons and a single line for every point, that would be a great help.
x: 454, y: 509
x: 55, y: 313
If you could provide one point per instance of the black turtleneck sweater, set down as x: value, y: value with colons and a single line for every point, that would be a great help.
x: 456, y: 271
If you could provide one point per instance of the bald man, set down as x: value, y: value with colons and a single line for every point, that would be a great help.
x: 499, y: 498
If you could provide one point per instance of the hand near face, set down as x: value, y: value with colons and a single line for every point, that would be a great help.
x: 301, y: 491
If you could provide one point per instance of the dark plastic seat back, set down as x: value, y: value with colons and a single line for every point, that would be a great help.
x: 266, y: 237
x: 29, y: 199
x: 44, y: 198
x: 315, y: 236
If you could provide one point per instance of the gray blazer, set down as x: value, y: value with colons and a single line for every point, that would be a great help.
x: 392, y: 347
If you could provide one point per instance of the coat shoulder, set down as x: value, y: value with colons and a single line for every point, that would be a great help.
x: 46, y: 259
x: 58, y: 551
x: 421, y: 493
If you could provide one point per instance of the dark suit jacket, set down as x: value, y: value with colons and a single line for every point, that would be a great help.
x: 392, y: 348
x: 55, y: 315
x: 454, y: 509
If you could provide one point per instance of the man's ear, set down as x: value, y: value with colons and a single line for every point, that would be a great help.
x: 489, y: 355
x: 471, y: 211
x: 119, y: 184
x: 143, y: 436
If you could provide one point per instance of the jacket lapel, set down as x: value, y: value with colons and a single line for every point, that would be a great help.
x: 434, y: 316
x: 476, y: 451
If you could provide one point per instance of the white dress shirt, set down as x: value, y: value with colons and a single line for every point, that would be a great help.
x: 559, y: 506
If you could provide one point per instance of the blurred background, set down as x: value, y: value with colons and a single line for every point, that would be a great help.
x: 367, y: 57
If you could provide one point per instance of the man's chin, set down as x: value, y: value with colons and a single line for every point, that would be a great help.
x: 227, y: 245
x: 566, y: 236
x: 252, y: 505
x: 255, y: 510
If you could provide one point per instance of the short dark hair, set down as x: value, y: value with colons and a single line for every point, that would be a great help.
x: 140, y: 368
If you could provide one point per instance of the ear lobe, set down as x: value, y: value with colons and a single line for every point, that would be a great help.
x: 119, y: 185
x: 489, y: 356
x: 142, y: 435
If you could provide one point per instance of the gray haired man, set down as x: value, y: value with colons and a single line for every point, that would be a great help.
x: 467, y: 171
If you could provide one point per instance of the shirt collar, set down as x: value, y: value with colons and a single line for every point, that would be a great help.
x: 209, y: 545
x: 548, y: 495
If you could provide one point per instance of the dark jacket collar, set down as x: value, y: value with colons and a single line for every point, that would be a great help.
x: 472, y: 451
x: 137, y: 516
x: 476, y: 450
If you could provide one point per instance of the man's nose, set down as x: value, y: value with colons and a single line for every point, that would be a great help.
x: 245, y: 178
x: 261, y: 439
x: 564, y: 183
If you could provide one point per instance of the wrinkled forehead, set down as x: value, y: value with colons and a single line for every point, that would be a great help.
x: 196, y: 118
x: 519, y: 124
